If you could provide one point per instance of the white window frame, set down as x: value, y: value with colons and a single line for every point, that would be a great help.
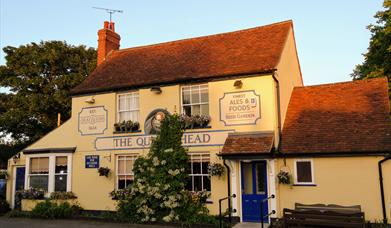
x: 192, y: 104
x: 312, y: 172
x: 134, y: 93
x: 52, y: 170
x: 199, y: 175
x: 134, y: 156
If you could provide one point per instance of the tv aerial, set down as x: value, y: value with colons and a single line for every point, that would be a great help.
x: 109, y: 11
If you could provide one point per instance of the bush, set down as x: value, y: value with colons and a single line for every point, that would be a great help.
x: 4, y: 206
x: 49, y: 210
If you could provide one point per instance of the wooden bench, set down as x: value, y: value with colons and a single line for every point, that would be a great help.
x: 320, y: 215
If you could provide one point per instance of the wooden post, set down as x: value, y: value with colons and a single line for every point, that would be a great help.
x: 58, y: 119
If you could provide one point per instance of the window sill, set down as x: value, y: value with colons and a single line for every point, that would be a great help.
x: 126, y: 132
x: 308, y: 185
x: 197, y: 128
x: 208, y: 201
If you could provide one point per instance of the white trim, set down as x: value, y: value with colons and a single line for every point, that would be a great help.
x: 52, y: 169
x: 133, y: 93
x: 192, y: 104
x: 272, y: 187
x: 312, y: 171
x: 234, y: 187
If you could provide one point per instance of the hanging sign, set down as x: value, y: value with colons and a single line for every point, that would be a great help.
x: 189, y: 139
x: 240, y: 108
x: 92, y: 161
x: 92, y: 120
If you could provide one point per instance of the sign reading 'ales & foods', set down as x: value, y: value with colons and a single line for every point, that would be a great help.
x: 240, y: 108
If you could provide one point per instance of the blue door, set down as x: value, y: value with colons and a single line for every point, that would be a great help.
x: 19, y: 185
x: 254, y: 190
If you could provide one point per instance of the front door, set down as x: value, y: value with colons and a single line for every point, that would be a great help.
x: 254, y: 190
x: 19, y: 184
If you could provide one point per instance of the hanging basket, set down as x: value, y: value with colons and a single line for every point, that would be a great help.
x: 284, y: 176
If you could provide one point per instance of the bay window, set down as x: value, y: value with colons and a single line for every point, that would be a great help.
x: 128, y: 107
x: 49, y: 172
x: 195, y: 100
x: 198, y: 167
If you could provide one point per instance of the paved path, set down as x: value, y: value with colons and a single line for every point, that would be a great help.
x: 39, y: 223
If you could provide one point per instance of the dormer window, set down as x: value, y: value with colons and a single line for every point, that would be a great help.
x: 195, y: 100
x: 128, y: 107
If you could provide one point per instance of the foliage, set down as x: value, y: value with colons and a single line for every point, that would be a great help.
x: 158, y: 192
x: 4, y: 206
x: 31, y: 193
x: 284, y: 177
x: 377, y: 61
x: 215, y: 169
x: 104, y: 171
x: 3, y: 174
x: 50, y: 210
x: 127, y: 126
x: 39, y: 77
x: 120, y: 194
x: 62, y: 195
x: 196, y: 121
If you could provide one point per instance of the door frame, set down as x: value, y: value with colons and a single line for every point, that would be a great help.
x: 14, y: 184
x: 271, y: 185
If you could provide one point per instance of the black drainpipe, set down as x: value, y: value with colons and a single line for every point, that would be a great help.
x: 383, y: 204
x: 278, y: 110
x: 229, y: 190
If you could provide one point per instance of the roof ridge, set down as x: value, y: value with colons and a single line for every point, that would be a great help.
x: 341, y: 83
x: 202, y: 37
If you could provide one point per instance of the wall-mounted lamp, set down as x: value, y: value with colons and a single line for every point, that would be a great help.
x: 90, y: 100
x: 16, y: 158
x: 238, y: 84
x: 156, y: 89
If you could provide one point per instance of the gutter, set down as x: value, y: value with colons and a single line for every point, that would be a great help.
x: 278, y: 110
x: 383, y: 204
x: 229, y: 190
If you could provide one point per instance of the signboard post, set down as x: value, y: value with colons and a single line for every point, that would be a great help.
x: 240, y: 108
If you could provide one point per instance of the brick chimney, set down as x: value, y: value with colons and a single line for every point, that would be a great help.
x: 108, y: 40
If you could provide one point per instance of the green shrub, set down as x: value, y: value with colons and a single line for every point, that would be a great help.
x: 4, y: 206
x: 18, y: 213
x: 50, y: 210
x: 62, y: 195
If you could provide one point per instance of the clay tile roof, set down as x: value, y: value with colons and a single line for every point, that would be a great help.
x: 255, y: 50
x: 248, y: 144
x: 342, y: 117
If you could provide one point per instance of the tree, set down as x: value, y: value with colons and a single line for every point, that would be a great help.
x: 39, y: 77
x: 158, y: 192
x: 377, y: 61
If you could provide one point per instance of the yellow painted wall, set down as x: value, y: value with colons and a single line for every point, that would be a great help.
x: 93, y: 190
x: 341, y: 180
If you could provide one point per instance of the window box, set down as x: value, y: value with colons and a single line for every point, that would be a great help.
x: 195, y: 122
x: 126, y: 127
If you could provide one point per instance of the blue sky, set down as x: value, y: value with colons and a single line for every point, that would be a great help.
x: 330, y: 35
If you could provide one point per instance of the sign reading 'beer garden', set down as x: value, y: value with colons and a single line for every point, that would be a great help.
x: 189, y: 139
x: 92, y: 120
x: 240, y: 108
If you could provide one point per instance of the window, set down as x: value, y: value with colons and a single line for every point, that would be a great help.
x: 128, y: 107
x: 304, y: 172
x: 60, y: 176
x: 125, y: 174
x: 199, y: 178
x: 39, y: 173
x: 195, y: 100
x: 49, y: 172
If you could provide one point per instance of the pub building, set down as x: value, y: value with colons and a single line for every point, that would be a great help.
x: 243, y: 96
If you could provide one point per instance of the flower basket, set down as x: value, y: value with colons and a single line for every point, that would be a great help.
x: 284, y: 177
x: 104, y: 171
x: 215, y: 169
x: 3, y: 174
x: 127, y: 126
x: 196, y: 121
x: 31, y: 193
